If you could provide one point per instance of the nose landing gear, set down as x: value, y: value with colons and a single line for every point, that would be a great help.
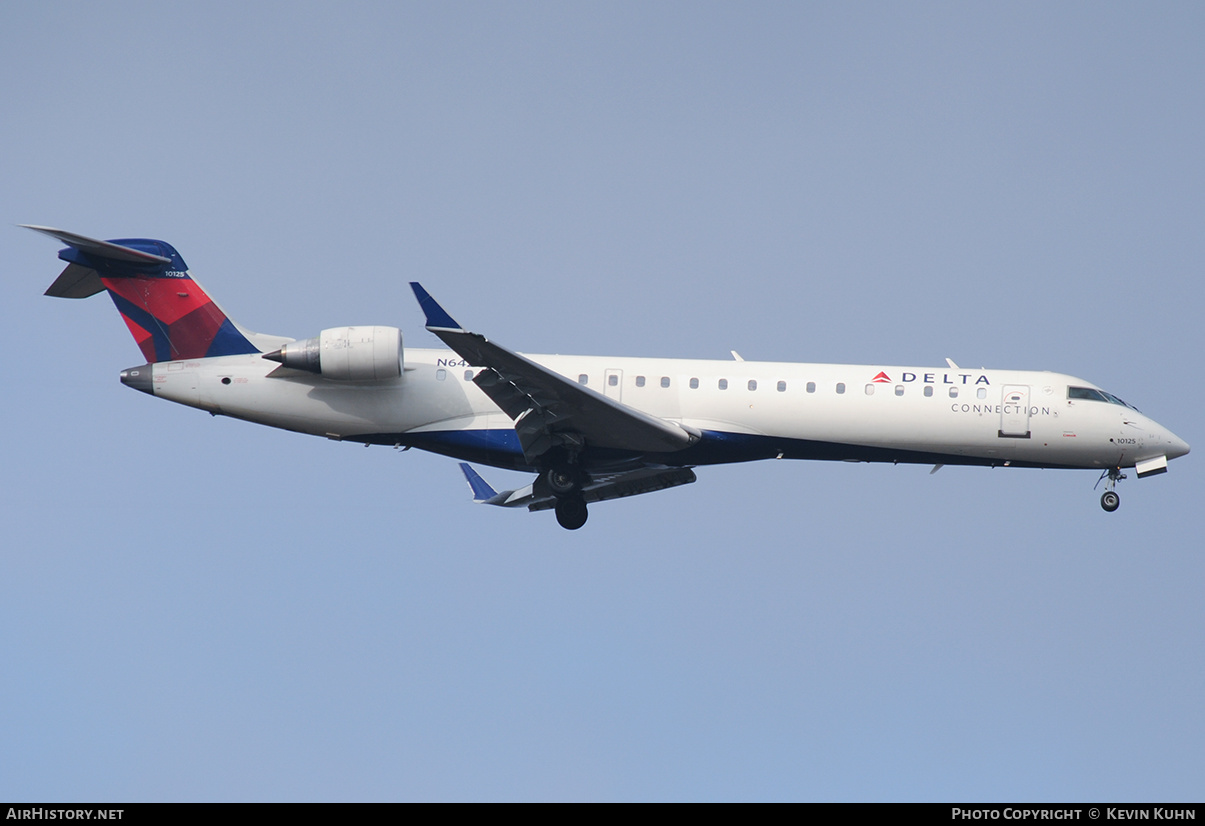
x: 1109, y: 500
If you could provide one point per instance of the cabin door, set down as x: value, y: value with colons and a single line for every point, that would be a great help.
x: 1014, y: 412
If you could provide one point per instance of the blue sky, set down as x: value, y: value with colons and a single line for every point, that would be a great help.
x: 202, y: 609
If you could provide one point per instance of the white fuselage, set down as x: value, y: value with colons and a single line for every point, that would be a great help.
x: 745, y: 409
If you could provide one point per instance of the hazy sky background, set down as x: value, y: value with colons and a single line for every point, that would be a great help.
x: 196, y: 608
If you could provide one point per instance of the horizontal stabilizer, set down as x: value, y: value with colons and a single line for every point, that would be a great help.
x: 76, y: 282
x: 101, y: 249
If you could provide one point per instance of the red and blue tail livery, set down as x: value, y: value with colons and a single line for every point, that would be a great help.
x: 169, y: 315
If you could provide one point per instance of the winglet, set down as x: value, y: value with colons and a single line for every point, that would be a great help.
x: 482, y: 492
x: 437, y: 316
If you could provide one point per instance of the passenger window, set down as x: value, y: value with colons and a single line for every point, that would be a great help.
x: 583, y: 379
x: 723, y: 384
x: 953, y: 392
x: 870, y: 390
x: 752, y: 384
x: 694, y: 384
x: 928, y: 390
x: 665, y: 381
x: 811, y: 387
x: 441, y: 374
x: 613, y: 380
x: 640, y: 381
x: 899, y: 390
x: 840, y: 387
x: 468, y: 375
x: 981, y: 392
x: 782, y: 387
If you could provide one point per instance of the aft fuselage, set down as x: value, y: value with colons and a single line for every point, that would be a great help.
x: 745, y: 410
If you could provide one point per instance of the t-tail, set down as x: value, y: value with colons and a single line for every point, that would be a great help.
x: 168, y: 313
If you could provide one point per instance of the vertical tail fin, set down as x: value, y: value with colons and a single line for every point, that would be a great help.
x: 167, y: 312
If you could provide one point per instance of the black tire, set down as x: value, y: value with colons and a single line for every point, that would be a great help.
x: 1110, y: 501
x: 562, y: 482
x: 571, y: 513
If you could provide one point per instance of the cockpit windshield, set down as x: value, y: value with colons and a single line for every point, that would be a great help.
x: 1093, y: 395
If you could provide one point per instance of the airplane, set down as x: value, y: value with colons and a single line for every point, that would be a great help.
x: 594, y: 428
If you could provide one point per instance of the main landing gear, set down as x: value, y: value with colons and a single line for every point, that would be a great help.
x: 562, y: 481
x: 571, y: 512
x: 1109, y: 500
x: 565, y: 482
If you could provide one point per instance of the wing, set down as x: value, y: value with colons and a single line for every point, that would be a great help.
x: 602, y: 486
x: 548, y: 409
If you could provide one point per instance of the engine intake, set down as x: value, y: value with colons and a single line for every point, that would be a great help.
x: 346, y: 354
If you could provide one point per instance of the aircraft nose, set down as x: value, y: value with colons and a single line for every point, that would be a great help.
x: 1175, y: 445
x: 1171, y: 444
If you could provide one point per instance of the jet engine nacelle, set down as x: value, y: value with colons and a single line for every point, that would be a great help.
x: 347, y: 354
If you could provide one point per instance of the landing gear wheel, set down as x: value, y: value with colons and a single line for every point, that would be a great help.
x: 1109, y: 500
x: 571, y: 512
x: 562, y: 481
